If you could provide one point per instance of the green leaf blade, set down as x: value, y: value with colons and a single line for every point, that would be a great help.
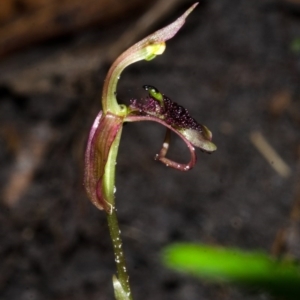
x: 254, y: 269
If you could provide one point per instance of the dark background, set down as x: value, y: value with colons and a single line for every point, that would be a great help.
x: 235, y: 65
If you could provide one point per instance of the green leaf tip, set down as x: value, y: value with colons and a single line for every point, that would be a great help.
x: 254, y: 269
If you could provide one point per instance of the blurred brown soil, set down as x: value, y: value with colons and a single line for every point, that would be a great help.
x: 232, y: 66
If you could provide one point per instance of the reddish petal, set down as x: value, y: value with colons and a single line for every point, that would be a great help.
x: 102, y: 135
x: 161, y: 156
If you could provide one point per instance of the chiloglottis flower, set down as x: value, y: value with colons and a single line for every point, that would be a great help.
x: 104, y: 138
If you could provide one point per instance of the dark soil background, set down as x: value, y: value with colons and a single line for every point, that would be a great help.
x: 235, y: 65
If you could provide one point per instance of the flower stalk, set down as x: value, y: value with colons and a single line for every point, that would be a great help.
x: 122, y: 275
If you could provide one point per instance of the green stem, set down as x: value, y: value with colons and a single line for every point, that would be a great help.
x: 115, y: 234
x: 109, y: 176
x: 113, y: 225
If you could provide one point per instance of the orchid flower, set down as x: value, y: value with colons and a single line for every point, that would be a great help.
x: 104, y: 138
x: 105, y: 133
